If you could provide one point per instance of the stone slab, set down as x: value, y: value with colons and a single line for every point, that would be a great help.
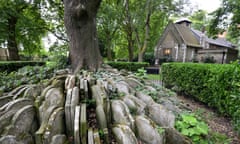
x: 77, y: 139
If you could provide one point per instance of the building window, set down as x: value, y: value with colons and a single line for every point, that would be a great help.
x: 167, y: 52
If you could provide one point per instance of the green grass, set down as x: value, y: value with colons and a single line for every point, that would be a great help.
x: 154, y: 76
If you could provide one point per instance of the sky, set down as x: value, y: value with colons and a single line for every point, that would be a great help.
x: 208, y: 5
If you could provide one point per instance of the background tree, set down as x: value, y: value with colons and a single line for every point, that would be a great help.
x: 199, y: 20
x: 227, y: 18
x: 108, y: 20
x: 136, y: 25
x: 21, y: 26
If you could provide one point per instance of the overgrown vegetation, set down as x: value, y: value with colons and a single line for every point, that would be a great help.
x: 214, y: 84
x: 30, y: 74
x: 10, y: 66
x: 189, y: 126
x: 194, y: 127
x: 142, y: 73
x: 25, y: 75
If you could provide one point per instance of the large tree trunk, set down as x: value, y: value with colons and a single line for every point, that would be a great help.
x: 11, y: 41
x: 80, y: 23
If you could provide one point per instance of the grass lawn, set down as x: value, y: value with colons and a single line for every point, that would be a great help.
x: 153, y: 76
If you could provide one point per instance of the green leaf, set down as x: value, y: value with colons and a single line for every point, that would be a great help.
x: 190, y: 119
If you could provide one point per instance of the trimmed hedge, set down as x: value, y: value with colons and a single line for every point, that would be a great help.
x: 10, y: 66
x: 130, y: 66
x: 214, y: 84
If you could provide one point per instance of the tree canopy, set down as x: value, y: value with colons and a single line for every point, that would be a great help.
x: 21, y: 27
x: 226, y: 18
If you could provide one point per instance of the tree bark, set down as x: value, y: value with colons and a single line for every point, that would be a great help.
x: 143, y: 49
x: 129, y: 32
x: 11, y: 41
x: 80, y: 23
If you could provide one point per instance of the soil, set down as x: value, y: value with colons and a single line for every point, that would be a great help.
x: 216, y: 122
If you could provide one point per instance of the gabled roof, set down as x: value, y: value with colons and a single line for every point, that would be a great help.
x: 219, y: 41
x: 183, y: 20
x: 187, y: 35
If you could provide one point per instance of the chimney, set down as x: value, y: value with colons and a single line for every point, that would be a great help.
x: 222, y: 35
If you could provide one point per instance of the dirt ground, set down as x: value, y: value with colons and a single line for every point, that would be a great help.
x: 216, y: 122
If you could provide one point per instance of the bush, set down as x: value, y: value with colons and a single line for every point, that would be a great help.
x: 130, y: 66
x: 25, y: 75
x: 214, y: 84
x: 10, y: 66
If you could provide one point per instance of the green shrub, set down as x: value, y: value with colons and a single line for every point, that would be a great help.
x: 214, y: 84
x: 25, y: 75
x: 130, y: 66
x: 10, y: 66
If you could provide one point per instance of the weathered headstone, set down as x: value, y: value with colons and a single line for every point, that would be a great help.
x: 90, y: 136
x: 134, y: 83
x: 122, y: 87
x: 121, y: 114
x: 147, y: 132
x: 124, y: 135
x: 22, y: 121
x: 96, y: 137
x: 174, y: 137
x: 83, y: 124
x: 95, y: 89
x: 4, y: 100
x: 135, y: 105
x: 9, y: 139
x: 145, y: 98
x: 77, y: 139
x: 86, y: 89
x: 68, y: 117
x: 59, y: 139
x: 101, y: 117
x: 161, y: 115
x: 70, y: 82
x: 74, y: 102
x: 55, y: 125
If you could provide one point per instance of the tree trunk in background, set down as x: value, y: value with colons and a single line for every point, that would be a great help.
x: 143, y: 49
x: 11, y: 41
x: 80, y: 23
x: 109, y: 47
x: 129, y: 32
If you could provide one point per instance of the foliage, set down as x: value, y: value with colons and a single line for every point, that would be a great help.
x: 199, y: 20
x: 25, y: 75
x: 23, y: 18
x: 122, y: 25
x: 226, y: 18
x: 142, y: 73
x: 195, y: 129
x: 214, y: 84
x: 10, y: 66
x: 59, y: 55
x: 149, y: 57
x: 53, y: 14
x: 131, y: 66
